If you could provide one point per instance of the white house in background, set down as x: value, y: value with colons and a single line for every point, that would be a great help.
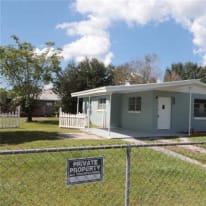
x: 178, y: 106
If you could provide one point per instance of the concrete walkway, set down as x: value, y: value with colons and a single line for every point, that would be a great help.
x: 193, y: 147
x: 131, y: 140
x: 119, y: 133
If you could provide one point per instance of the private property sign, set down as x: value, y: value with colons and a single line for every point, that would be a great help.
x: 84, y: 170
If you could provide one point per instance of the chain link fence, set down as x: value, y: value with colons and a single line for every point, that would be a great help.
x: 146, y: 174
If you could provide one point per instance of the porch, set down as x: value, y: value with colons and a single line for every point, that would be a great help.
x: 119, y: 133
x: 156, y: 107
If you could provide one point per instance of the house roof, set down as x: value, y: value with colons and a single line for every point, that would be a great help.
x: 48, y: 95
x: 179, y: 86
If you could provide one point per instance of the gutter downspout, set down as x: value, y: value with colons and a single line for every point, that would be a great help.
x: 110, y: 107
x: 89, y: 113
x: 77, y: 105
x: 190, y: 111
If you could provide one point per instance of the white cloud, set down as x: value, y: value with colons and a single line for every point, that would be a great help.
x: 191, y: 14
x: 108, y: 58
x: 87, y: 46
x: 131, y: 11
x: 198, y: 28
x: 47, y: 51
x: 93, y: 25
x: 94, y: 40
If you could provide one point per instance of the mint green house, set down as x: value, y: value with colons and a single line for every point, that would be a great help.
x: 178, y: 107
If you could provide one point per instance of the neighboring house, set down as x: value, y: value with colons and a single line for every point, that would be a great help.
x: 46, y: 104
x: 178, y: 106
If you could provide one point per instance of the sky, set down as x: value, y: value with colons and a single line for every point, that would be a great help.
x: 115, y: 31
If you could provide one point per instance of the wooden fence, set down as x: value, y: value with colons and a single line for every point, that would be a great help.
x: 67, y: 120
x: 10, y: 119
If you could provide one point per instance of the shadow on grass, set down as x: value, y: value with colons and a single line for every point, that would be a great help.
x: 157, y: 138
x: 18, y: 137
x: 46, y: 122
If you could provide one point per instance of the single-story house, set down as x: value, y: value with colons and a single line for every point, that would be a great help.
x: 46, y: 104
x: 178, y: 106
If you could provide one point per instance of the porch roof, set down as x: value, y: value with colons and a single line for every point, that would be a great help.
x: 165, y: 86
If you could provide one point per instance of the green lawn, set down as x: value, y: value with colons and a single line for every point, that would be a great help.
x: 199, y: 139
x: 189, y: 153
x: 184, y: 150
x: 41, y: 133
x: 39, y: 179
x: 156, y: 179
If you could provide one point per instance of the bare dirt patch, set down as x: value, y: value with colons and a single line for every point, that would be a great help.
x: 81, y: 135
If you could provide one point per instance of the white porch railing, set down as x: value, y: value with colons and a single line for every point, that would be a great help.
x: 67, y: 120
x: 10, y: 119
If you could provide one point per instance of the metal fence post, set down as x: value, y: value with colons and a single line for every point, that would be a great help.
x: 127, y: 179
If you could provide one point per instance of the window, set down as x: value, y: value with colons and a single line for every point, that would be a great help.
x: 200, y: 108
x: 102, y: 104
x: 134, y: 104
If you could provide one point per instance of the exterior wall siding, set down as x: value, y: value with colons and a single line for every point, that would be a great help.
x: 146, y: 120
x: 116, y: 113
x: 99, y: 118
x: 142, y: 121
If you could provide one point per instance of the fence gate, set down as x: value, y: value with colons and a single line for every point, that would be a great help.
x: 67, y: 120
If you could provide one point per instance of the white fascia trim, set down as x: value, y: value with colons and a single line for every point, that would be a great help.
x: 86, y: 93
x: 136, y: 87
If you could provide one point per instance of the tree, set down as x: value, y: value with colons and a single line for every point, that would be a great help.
x: 4, y: 100
x: 93, y: 73
x: 138, y: 71
x: 184, y: 71
x: 7, y: 100
x: 65, y: 84
x: 125, y: 74
x: 171, y: 75
x: 27, y: 70
x: 87, y: 74
x: 147, y: 69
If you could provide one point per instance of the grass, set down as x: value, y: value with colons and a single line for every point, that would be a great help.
x: 183, y: 149
x: 189, y: 153
x: 43, y: 129
x: 39, y: 179
x: 39, y: 134
x: 156, y: 179
x: 199, y: 139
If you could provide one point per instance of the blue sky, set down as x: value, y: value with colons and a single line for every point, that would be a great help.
x: 116, y: 33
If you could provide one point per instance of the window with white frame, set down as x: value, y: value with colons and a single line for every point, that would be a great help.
x: 134, y: 104
x: 101, y: 104
x: 200, y: 108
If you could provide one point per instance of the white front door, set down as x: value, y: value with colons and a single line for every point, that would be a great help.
x: 164, y: 113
